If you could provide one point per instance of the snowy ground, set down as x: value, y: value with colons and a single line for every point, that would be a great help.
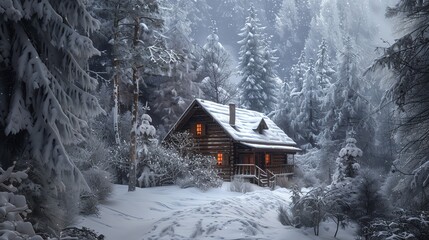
x: 174, y: 213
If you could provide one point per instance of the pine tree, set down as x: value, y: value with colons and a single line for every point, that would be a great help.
x: 323, y: 67
x: 289, y: 104
x: 44, y: 52
x: 347, y: 165
x: 407, y: 59
x: 178, y: 88
x: 252, y: 94
x: 308, y: 117
x: 269, y: 78
x: 214, y: 70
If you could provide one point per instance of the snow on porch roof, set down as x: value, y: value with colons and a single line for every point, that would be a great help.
x: 245, y: 122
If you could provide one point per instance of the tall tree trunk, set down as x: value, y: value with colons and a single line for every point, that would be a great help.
x: 116, y: 66
x: 133, y: 141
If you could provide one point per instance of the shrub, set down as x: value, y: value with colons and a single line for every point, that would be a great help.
x: 88, y: 204
x: 13, y: 208
x: 77, y: 233
x: 100, y: 183
x: 238, y: 184
x: 285, y: 217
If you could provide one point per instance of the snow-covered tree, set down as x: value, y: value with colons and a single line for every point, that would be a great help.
x: 269, y: 79
x: 347, y: 164
x: 309, y: 110
x: 407, y: 59
x: 44, y: 52
x: 323, y: 68
x: 214, y: 70
x: 139, y: 48
x: 253, y: 95
x: 178, y: 88
x: 14, y: 208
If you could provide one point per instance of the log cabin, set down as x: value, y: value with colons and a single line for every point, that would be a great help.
x: 245, y: 143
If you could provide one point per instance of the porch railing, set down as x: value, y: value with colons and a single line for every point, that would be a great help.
x: 267, y: 177
x: 282, y: 169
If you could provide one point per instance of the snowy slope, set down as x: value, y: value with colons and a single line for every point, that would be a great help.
x: 174, y: 213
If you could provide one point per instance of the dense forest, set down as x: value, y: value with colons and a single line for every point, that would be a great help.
x: 90, y: 88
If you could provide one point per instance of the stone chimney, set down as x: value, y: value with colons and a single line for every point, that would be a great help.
x: 232, y: 114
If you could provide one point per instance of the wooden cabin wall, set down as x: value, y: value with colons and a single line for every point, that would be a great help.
x: 213, y: 141
x: 278, y: 158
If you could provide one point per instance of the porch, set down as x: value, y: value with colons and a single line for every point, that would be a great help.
x: 266, y: 177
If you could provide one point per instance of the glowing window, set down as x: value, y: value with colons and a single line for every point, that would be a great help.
x: 267, y: 159
x: 219, y: 158
x: 199, y: 129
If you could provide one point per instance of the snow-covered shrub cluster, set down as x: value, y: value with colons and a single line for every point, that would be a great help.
x: 309, y: 210
x: 88, y: 204
x: 354, y: 199
x: 77, y: 233
x: 14, y: 208
x: 401, y: 225
x: 200, y: 172
x: 239, y: 184
x: 100, y: 183
x: 165, y: 165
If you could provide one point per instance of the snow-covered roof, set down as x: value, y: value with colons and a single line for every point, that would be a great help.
x: 246, y: 122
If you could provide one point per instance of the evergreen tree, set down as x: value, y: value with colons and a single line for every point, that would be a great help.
x: 323, y: 67
x: 269, y: 78
x: 176, y: 90
x: 309, y: 110
x: 408, y: 60
x: 138, y: 49
x: 347, y: 165
x: 44, y: 53
x: 252, y: 94
x: 214, y: 70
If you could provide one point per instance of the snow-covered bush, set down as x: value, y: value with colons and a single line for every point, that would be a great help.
x: 402, y: 225
x: 160, y: 166
x: 199, y: 172
x: 347, y: 165
x: 285, y: 216
x: 165, y: 165
x: 100, y: 182
x: 306, y: 170
x: 370, y: 203
x: 239, y: 184
x: 88, y: 204
x: 309, y: 210
x: 77, y: 233
x: 14, y: 208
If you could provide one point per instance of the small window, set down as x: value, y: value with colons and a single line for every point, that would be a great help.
x: 219, y: 158
x: 267, y: 159
x: 199, y: 129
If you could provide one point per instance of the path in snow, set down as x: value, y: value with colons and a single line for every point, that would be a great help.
x: 174, y: 213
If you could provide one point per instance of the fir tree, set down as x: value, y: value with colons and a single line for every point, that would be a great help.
x: 408, y: 60
x: 44, y: 52
x: 347, y: 165
x: 214, y: 70
x: 269, y: 78
x: 308, y: 117
x: 252, y: 94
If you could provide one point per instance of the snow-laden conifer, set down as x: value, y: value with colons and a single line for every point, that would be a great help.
x: 214, y: 70
x: 45, y: 49
x: 252, y: 94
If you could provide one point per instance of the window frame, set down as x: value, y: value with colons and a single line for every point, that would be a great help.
x: 199, y: 129
x: 267, y: 159
x: 219, y: 159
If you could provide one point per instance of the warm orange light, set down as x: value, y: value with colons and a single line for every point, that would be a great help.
x: 219, y: 158
x: 199, y: 129
x: 267, y: 159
